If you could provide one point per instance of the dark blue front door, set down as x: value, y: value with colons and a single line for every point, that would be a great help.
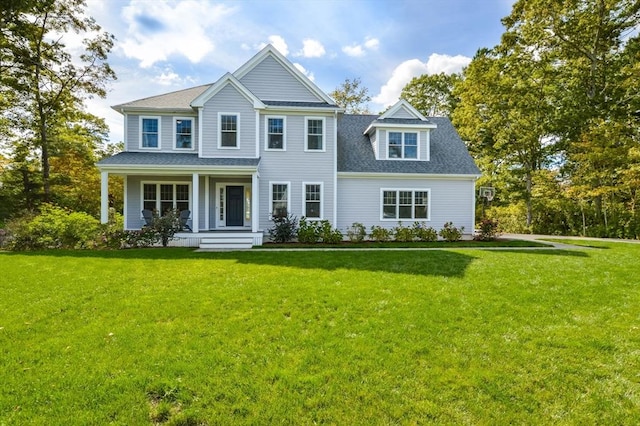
x: 235, y: 204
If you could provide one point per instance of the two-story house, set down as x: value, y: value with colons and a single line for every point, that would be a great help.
x: 265, y: 141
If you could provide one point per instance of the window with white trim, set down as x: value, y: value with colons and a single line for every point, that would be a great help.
x: 149, y: 132
x: 228, y: 130
x: 398, y: 204
x: 275, y: 133
x: 402, y: 145
x: 312, y: 200
x: 161, y: 197
x: 183, y: 133
x: 279, y: 199
x: 314, y: 130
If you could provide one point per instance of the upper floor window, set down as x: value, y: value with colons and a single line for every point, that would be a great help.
x: 276, y: 133
x: 315, y: 134
x: 228, y: 130
x: 403, y: 145
x: 405, y: 204
x: 149, y: 132
x: 184, y: 133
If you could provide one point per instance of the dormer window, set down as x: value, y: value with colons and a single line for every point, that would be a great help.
x: 403, y: 145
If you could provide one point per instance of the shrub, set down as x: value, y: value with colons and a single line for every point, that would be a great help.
x: 284, y: 228
x: 402, y: 233
x: 329, y: 234
x: 53, y: 228
x: 356, y: 232
x: 380, y: 234
x: 487, y: 230
x: 451, y: 233
x: 166, y: 226
x: 308, y: 232
x: 424, y: 233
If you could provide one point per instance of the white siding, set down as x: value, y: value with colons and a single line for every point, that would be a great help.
x: 229, y: 100
x: 451, y: 201
x: 297, y: 166
x: 269, y: 80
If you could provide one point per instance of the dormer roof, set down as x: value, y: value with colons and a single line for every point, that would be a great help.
x: 401, y: 115
x: 225, y: 80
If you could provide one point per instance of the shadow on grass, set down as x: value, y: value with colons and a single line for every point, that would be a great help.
x: 443, y: 263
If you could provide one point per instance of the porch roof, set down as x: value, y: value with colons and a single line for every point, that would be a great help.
x: 132, y: 162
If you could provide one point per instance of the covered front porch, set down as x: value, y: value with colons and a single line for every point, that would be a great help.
x: 221, y: 196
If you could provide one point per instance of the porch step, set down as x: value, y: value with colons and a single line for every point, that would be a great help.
x: 227, y: 241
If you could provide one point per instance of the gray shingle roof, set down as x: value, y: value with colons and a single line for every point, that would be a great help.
x: 180, y: 99
x: 171, y: 159
x: 448, y: 154
x: 300, y: 104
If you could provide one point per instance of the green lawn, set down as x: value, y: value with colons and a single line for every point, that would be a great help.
x: 457, y: 336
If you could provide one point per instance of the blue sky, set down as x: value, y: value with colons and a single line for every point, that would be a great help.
x: 162, y: 46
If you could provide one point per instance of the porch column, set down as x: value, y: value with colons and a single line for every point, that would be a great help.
x: 255, y: 202
x: 195, y: 203
x: 104, y: 197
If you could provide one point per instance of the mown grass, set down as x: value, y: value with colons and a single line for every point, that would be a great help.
x: 170, y: 336
x: 413, y: 244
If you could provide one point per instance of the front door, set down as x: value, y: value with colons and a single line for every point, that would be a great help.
x: 235, y: 206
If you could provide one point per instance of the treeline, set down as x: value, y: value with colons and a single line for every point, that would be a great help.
x: 552, y: 117
x: 49, y: 143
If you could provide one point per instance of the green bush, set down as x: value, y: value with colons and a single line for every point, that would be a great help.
x: 53, y: 228
x: 403, y: 233
x: 357, y: 232
x: 450, y: 233
x: 284, y: 228
x: 380, y: 234
x: 329, y: 234
x: 423, y: 232
x: 308, y: 232
x: 166, y: 225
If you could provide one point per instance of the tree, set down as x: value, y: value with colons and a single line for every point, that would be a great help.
x: 352, y: 97
x: 48, y: 81
x: 432, y: 95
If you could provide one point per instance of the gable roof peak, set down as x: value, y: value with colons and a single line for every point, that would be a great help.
x: 403, y: 104
x: 225, y: 80
x: 270, y: 51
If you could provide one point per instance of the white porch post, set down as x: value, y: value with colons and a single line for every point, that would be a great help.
x: 255, y: 202
x: 195, y: 218
x: 104, y: 197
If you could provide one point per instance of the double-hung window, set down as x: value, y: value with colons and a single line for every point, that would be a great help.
x: 184, y: 133
x: 276, y: 138
x: 149, y: 132
x: 315, y: 134
x: 312, y: 200
x: 162, y: 197
x: 398, y: 204
x: 403, y: 145
x: 279, y: 199
x: 228, y: 130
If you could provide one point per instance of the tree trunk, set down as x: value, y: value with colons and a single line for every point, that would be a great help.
x: 528, y: 199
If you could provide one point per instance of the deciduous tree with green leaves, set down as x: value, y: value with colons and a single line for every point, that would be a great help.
x: 432, y: 95
x: 47, y: 82
x: 352, y: 96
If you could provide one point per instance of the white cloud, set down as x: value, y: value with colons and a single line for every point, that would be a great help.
x: 157, y: 30
x: 277, y: 42
x: 353, y: 50
x: 311, y: 49
x: 167, y: 78
x: 357, y: 50
x: 372, y: 43
x: 304, y: 71
x: 403, y: 73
